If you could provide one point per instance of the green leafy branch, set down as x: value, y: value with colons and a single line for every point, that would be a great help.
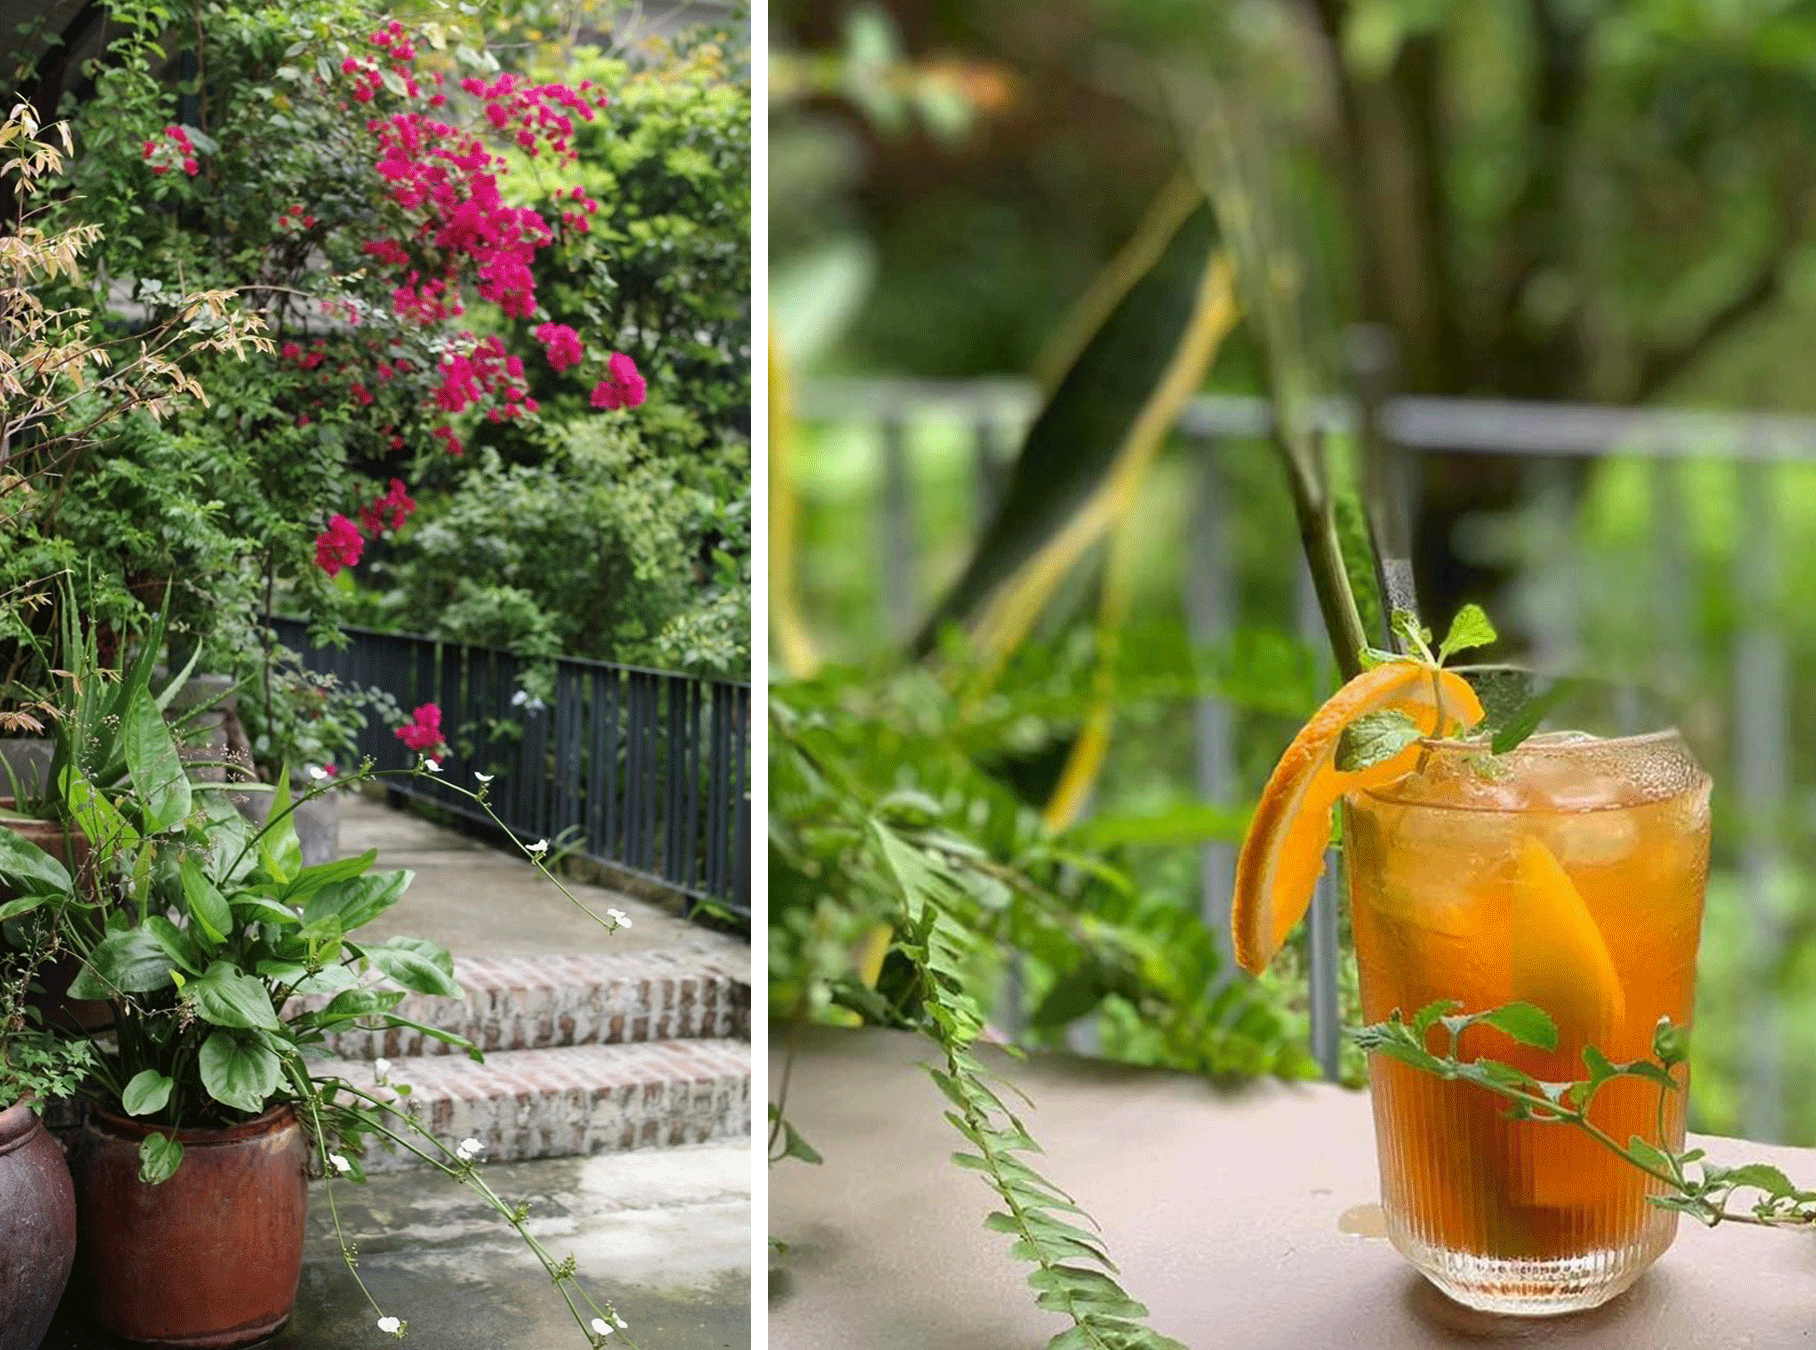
x: 1073, y: 1273
x: 1705, y: 1194
x: 1378, y: 736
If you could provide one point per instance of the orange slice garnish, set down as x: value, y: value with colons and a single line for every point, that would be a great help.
x: 1560, y: 959
x: 1283, y: 853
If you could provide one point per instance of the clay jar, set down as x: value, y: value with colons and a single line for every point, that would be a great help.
x: 210, y: 1258
x: 37, y: 1228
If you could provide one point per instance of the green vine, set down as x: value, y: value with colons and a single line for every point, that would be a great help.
x: 1073, y: 1274
x: 1692, y: 1185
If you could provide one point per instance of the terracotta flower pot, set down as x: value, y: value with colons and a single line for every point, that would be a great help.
x: 37, y: 1228
x: 210, y: 1258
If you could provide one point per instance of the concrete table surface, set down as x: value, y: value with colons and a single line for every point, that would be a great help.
x: 1221, y: 1206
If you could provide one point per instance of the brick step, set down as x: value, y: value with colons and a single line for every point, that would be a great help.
x: 571, y: 1101
x: 530, y: 1002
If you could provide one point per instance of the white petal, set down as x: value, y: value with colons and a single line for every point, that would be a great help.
x: 600, y: 1328
x: 483, y: 777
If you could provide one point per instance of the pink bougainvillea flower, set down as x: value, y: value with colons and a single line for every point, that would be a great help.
x: 172, y: 149
x: 388, y: 512
x: 338, y: 546
x: 622, y: 387
x: 561, y: 343
x: 422, y: 732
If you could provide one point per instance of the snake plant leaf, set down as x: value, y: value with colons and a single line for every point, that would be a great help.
x: 1106, y: 418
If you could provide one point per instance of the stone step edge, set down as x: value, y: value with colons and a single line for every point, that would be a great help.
x: 529, y: 1002
x: 570, y: 1101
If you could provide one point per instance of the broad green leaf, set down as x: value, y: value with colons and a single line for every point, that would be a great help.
x: 312, y: 879
x: 417, y: 964
x: 327, y: 980
x: 107, y: 830
x: 353, y: 1003
x: 26, y: 867
x: 1374, y: 738
x: 180, y: 947
x: 207, y: 906
x: 259, y: 909
x: 1648, y: 1154
x: 13, y: 909
x: 231, y: 998
x: 129, y: 960
x: 357, y: 900
x: 1119, y: 392
x: 1526, y: 1024
x: 146, y: 1093
x: 159, y: 1157
x: 238, y: 1071
x: 279, y: 848
x: 1469, y: 629
x: 1762, y: 1175
x: 158, y: 777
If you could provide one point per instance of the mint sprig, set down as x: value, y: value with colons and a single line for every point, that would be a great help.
x: 1374, y: 738
x: 1704, y: 1190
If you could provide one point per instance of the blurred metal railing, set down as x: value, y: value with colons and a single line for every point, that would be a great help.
x: 1759, y: 775
x: 643, y: 770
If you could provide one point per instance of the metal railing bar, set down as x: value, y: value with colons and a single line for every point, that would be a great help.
x: 1417, y: 421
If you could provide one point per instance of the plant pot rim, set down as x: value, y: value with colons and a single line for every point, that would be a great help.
x: 17, y: 1121
x: 194, y: 1136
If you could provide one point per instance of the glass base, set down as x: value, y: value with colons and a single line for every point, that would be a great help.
x: 1525, y: 1287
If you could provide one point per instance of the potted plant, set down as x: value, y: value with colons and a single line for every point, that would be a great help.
x: 37, y: 1203
x: 228, y: 962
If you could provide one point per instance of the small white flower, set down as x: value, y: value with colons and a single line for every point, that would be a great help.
x: 339, y: 1163
x: 483, y: 778
x: 469, y: 1149
x: 521, y: 697
x: 619, y: 918
x: 537, y: 849
x: 601, y: 1327
x: 391, y: 1326
x: 431, y: 765
x: 317, y: 772
x: 381, y: 1067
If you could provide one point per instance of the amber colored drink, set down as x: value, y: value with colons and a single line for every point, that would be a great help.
x: 1569, y: 874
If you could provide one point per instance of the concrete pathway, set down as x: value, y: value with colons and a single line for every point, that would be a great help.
x: 482, y: 901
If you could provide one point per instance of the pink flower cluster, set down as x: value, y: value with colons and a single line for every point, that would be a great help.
x: 170, y: 150
x: 338, y: 546
x: 454, y: 238
x: 422, y: 732
x: 486, y: 373
x: 562, y: 345
x: 622, y: 387
x: 389, y: 511
x: 341, y: 544
x: 291, y: 220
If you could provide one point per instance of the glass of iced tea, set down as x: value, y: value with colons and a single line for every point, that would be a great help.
x: 1567, y: 873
